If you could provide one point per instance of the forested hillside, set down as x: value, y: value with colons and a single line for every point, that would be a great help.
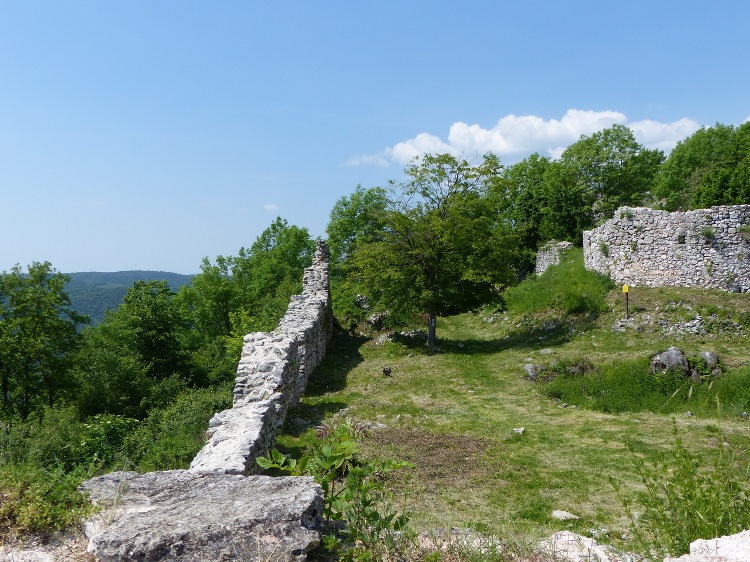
x: 93, y: 293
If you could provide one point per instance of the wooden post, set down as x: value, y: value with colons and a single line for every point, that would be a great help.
x: 627, y: 311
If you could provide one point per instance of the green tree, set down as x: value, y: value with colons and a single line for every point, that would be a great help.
x: 134, y: 359
x: 355, y: 219
x: 38, y: 332
x: 707, y: 168
x: 522, y: 198
x: 239, y: 294
x: 611, y: 169
x: 442, y: 250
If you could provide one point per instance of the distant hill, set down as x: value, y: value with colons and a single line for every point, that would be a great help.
x: 93, y: 292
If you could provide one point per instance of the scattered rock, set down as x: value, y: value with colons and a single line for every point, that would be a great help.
x: 531, y: 371
x: 376, y: 320
x: 562, y: 515
x: 673, y: 359
x: 570, y: 547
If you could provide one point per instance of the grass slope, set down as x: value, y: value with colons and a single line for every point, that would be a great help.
x: 453, y: 413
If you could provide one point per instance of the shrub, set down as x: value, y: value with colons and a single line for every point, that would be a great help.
x: 171, y: 437
x: 35, y: 499
x: 353, y: 490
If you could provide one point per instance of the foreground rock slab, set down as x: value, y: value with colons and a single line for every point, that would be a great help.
x: 181, y: 516
x: 731, y: 548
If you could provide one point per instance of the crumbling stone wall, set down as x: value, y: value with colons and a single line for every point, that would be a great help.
x: 701, y: 248
x: 550, y: 254
x: 271, y: 376
x: 217, y: 510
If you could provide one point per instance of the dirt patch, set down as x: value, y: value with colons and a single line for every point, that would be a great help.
x: 439, y: 458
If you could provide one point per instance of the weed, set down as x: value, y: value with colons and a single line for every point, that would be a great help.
x: 604, y: 249
x: 353, y: 490
x: 708, y: 234
x: 686, y: 498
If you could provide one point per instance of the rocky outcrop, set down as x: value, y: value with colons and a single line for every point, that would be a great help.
x: 180, y: 515
x: 700, y: 248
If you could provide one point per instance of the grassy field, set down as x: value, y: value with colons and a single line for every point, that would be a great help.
x: 453, y: 413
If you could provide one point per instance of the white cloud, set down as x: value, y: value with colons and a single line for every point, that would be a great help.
x: 367, y: 159
x: 664, y: 136
x: 747, y: 119
x: 516, y: 136
x: 270, y: 207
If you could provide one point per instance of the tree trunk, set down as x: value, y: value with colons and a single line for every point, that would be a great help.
x: 431, y: 323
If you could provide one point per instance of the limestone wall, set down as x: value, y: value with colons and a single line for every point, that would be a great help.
x: 700, y: 248
x: 550, y: 254
x: 271, y: 376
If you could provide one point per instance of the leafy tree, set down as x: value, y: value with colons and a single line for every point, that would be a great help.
x: 442, y: 250
x: 355, y: 219
x: 708, y: 168
x: 239, y: 294
x: 134, y: 359
x: 611, y: 169
x: 37, y: 334
x: 522, y: 198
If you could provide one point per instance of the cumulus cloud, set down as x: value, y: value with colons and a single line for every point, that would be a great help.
x: 514, y: 137
x: 270, y: 207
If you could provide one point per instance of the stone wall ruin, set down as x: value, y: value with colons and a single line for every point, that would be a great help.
x: 271, y: 376
x: 707, y: 248
x: 218, y: 509
x: 550, y: 254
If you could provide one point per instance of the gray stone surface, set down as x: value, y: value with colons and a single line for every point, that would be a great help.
x: 566, y: 546
x: 550, y: 254
x: 183, y: 516
x: 646, y: 247
x: 672, y: 359
x: 731, y: 548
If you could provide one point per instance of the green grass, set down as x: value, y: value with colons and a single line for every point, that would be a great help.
x: 452, y: 413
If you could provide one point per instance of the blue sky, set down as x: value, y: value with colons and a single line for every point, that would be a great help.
x: 148, y: 134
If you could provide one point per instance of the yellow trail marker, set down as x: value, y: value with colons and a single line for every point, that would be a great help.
x: 625, y: 288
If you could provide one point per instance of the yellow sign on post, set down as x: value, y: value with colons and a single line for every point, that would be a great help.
x: 625, y: 290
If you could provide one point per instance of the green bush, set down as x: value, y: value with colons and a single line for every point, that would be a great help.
x: 354, y: 492
x: 568, y: 287
x: 169, y: 438
x: 35, y: 499
x: 688, y: 498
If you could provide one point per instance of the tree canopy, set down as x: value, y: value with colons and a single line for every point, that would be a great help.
x: 440, y: 250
